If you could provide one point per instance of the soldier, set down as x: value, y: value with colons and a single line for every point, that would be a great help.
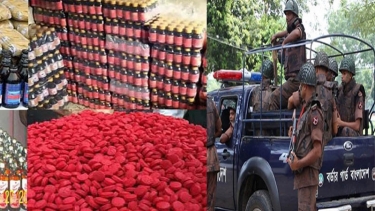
x: 294, y: 57
x: 351, y: 101
x: 262, y: 93
x: 333, y: 67
x: 213, y: 167
x: 306, y: 161
x: 325, y: 95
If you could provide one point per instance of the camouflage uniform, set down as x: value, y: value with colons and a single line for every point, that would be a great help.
x: 213, y: 166
x: 325, y: 95
x: 351, y: 101
x: 294, y: 58
x: 309, y: 130
x: 261, y: 94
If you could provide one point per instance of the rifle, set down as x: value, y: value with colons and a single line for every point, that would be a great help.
x: 293, y: 137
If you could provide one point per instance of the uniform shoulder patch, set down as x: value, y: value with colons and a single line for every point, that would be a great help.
x: 359, y: 94
x: 360, y: 105
x: 315, y: 120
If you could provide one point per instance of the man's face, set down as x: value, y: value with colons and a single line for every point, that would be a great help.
x: 289, y: 17
x: 232, y: 115
x: 346, y: 76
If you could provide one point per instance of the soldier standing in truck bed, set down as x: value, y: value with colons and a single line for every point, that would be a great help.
x: 333, y: 67
x: 261, y: 93
x: 294, y: 57
x: 309, y: 145
x: 351, y: 101
x: 325, y: 90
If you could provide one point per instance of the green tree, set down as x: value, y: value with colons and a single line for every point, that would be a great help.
x: 244, y: 25
x: 362, y: 14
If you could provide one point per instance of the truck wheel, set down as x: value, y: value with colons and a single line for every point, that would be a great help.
x: 259, y: 201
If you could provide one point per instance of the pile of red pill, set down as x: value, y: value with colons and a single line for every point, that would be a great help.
x: 120, y: 161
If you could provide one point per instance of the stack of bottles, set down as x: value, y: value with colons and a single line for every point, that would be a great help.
x: 129, y: 51
x: 51, y: 14
x: 13, y: 80
x: 47, y: 82
x: 176, y: 67
x: 88, y: 79
x: 123, y: 54
x: 13, y: 173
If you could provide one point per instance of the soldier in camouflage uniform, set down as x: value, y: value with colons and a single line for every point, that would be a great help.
x: 333, y: 73
x: 261, y: 94
x: 213, y: 167
x: 333, y: 67
x: 309, y: 145
x: 294, y: 57
x: 351, y: 101
x: 325, y: 95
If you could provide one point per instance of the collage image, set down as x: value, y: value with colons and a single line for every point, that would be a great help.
x: 187, y: 105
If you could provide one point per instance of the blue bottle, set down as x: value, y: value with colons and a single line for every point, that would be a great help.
x: 12, y: 95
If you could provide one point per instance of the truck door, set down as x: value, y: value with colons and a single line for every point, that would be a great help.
x: 348, y: 167
x: 225, y: 151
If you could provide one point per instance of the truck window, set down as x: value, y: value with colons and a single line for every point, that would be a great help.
x: 226, y: 103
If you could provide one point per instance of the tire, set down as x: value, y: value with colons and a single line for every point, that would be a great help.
x: 259, y: 201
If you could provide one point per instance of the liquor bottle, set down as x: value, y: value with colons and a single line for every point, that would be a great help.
x: 4, y: 188
x: 14, y: 186
x: 23, y: 169
x: 6, y: 62
x: 12, y: 95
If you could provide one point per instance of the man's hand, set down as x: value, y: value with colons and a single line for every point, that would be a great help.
x: 338, y: 122
x: 273, y: 39
x: 294, y: 165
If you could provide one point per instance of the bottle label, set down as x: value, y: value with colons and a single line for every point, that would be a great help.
x: 24, y: 196
x: 4, y: 194
x: 13, y: 94
x: 14, y: 193
x: 26, y: 93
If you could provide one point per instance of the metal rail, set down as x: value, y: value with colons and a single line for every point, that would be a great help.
x: 310, y: 42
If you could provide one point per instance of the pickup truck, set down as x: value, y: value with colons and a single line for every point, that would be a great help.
x: 254, y: 174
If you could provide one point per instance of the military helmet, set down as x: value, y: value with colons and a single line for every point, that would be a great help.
x: 348, y: 64
x: 267, y: 69
x: 307, y: 74
x: 333, y: 66
x: 321, y: 59
x: 292, y: 6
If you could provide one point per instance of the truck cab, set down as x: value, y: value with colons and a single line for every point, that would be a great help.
x: 254, y: 174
